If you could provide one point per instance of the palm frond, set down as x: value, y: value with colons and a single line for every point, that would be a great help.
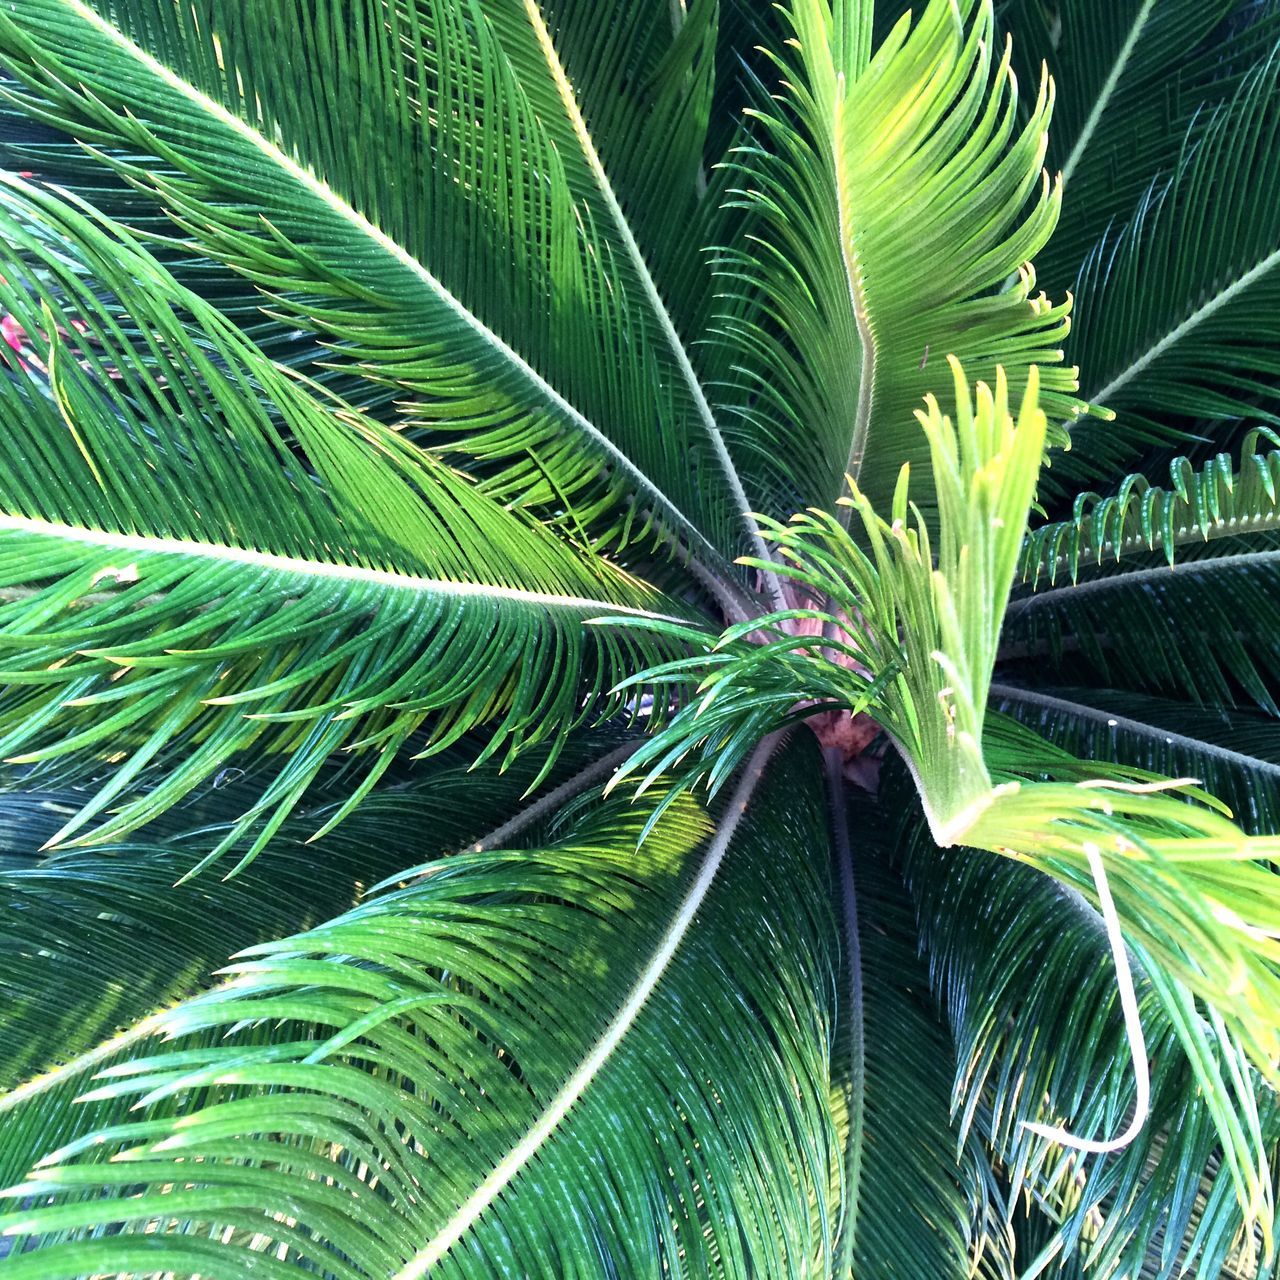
x: 1192, y: 894
x: 427, y: 225
x: 642, y: 98
x: 102, y: 940
x: 1176, y: 306
x: 427, y: 1041
x: 1030, y: 1048
x: 1221, y: 500
x: 909, y: 1206
x: 201, y: 556
x: 50, y: 159
x: 1235, y: 755
x: 1131, y: 77
x: 1166, y: 589
x: 893, y: 209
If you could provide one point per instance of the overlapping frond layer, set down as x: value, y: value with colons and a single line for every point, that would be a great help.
x: 425, y: 1034
x: 50, y: 157
x: 895, y: 202
x: 201, y: 556
x: 402, y: 197
x: 1031, y: 1049
x: 1167, y: 589
x: 1131, y: 77
x: 1178, y: 306
x: 101, y: 939
x: 910, y: 633
x: 1235, y: 754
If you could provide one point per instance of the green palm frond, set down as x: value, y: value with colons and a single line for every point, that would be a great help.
x: 987, y: 962
x: 1235, y: 755
x: 895, y: 203
x: 101, y: 940
x: 644, y: 96
x: 1167, y: 589
x: 1131, y: 77
x: 1176, y: 306
x: 508, y: 1011
x: 49, y: 157
x: 421, y: 291
x: 202, y: 556
x: 1221, y: 500
x: 909, y: 1205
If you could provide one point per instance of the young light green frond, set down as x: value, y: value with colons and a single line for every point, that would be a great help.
x: 1164, y: 589
x: 1178, y: 305
x: 895, y: 203
x: 904, y: 629
x: 991, y: 931
x: 200, y: 556
x: 1221, y: 500
x: 403, y: 200
x: 425, y: 1033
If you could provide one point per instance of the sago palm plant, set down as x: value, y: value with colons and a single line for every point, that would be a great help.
x: 639, y: 638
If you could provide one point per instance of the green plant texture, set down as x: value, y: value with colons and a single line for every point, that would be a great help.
x: 640, y: 639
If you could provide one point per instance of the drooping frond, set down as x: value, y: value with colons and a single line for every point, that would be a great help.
x: 447, y: 1055
x: 403, y: 198
x: 1177, y: 307
x: 200, y: 555
x: 1131, y: 77
x: 1165, y: 589
x: 1030, y: 1048
x: 894, y: 203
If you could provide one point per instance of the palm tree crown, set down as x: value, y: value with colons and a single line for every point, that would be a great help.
x: 639, y: 639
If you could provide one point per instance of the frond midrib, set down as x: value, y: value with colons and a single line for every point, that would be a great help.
x: 549, y: 1120
x: 679, y: 351
x: 1107, y: 91
x: 357, y: 575
x: 861, y: 315
x: 1153, y: 573
x: 1169, y: 737
x: 348, y: 213
x: 1205, y: 311
x: 833, y: 761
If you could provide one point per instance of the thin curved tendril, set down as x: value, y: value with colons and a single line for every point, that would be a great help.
x: 1132, y: 1027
